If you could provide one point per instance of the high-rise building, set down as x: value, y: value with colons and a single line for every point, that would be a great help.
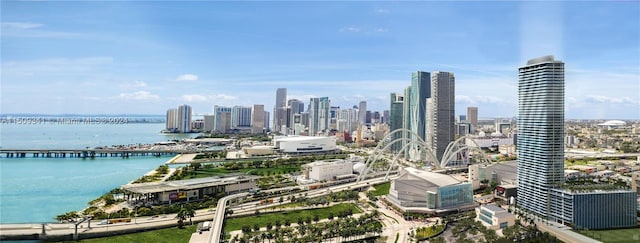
x: 362, y: 112
x: 297, y: 106
x: 294, y: 107
x: 257, y: 117
x: 385, y: 117
x: 222, y: 121
x: 540, y: 132
x: 347, y: 120
x: 333, y: 117
x: 441, y: 113
x: 172, y: 120
x: 395, y: 119
x: 240, y: 116
x: 279, y: 109
x: 267, y: 120
x: 209, y: 121
x: 319, y: 115
x: 472, y: 118
x: 184, y: 118
x: 415, y: 102
x: 304, y: 119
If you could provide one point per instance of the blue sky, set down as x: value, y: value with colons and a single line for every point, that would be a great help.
x: 146, y: 57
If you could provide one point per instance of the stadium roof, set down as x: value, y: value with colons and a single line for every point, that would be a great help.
x: 613, y: 123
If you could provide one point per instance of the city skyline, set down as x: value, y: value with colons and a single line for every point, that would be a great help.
x: 81, y: 58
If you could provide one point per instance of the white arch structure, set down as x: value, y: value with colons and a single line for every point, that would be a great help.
x: 452, y: 150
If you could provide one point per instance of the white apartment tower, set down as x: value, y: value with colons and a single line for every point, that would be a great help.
x: 184, y: 118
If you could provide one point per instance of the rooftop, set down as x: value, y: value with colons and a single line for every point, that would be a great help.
x: 613, y: 123
x: 493, y: 208
x: 298, y: 138
x: 435, y: 178
x: 155, y: 187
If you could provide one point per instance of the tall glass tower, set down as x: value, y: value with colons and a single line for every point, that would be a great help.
x: 540, y: 132
x: 441, y: 112
x: 280, y: 109
x: 415, y: 105
x: 395, y: 119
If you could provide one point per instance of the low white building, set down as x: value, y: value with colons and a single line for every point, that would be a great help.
x: 304, y: 144
x: 328, y: 169
x: 494, y: 217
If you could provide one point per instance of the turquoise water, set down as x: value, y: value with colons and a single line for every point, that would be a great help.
x: 37, y: 189
x: 50, y: 135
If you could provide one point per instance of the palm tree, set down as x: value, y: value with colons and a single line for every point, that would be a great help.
x: 181, y: 216
x: 190, y: 212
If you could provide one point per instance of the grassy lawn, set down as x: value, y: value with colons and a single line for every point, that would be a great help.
x: 252, y: 171
x: 611, y: 236
x: 426, y: 232
x: 292, y: 216
x: 381, y: 189
x: 168, y: 235
x: 288, y: 205
x: 275, y: 170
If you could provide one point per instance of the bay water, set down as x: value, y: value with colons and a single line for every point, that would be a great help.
x: 35, y: 190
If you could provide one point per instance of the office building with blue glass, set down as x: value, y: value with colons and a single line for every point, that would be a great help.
x: 594, y: 209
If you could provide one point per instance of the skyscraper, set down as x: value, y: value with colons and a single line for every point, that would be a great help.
x: 395, y: 119
x: 362, y: 112
x: 209, y: 121
x: 279, y: 109
x: 257, y: 117
x: 240, y: 116
x: 184, y: 118
x: 266, y: 120
x: 172, y: 120
x: 441, y: 112
x: 347, y: 120
x: 540, y: 132
x: 472, y: 118
x: 318, y: 115
x: 415, y: 99
x: 297, y: 106
x: 222, y: 120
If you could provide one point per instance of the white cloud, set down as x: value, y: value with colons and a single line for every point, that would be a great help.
x: 195, y: 98
x: 479, y: 99
x: 21, y: 25
x: 350, y: 29
x: 207, y: 98
x: 225, y: 97
x: 55, y: 66
x: 138, y: 95
x: 381, y: 11
x: 134, y: 85
x: 610, y: 100
x: 381, y: 30
x: 187, y: 77
x: 464, y: 99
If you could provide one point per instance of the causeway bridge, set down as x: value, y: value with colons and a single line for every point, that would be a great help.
x: 85, y: 153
